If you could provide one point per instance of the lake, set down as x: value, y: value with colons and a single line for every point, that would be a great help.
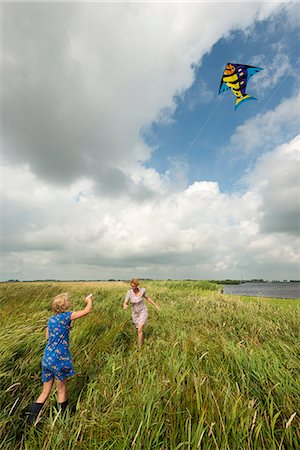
x: 276, y: 290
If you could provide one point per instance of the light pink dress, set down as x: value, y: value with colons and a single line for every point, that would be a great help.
x: 139, y: 309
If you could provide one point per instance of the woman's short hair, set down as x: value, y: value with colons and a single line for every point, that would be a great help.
x: 60, y: 303
x: 135, y: 281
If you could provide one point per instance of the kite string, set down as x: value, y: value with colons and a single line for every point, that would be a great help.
x: 115, y: 261
x: 215, y: 107
x: 201, y: 128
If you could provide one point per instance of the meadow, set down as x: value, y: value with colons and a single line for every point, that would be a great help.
x: 216, y: 371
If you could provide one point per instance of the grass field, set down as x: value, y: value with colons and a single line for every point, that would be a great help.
x: 216, y: 371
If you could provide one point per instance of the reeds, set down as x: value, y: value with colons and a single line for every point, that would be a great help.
x: 215, y: 372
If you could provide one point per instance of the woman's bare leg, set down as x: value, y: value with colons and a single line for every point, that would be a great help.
x: 140, y: 336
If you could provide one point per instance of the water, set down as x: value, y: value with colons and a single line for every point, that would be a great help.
x: 276, y: 290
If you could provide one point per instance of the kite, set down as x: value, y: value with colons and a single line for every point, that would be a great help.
x: 235, y: 77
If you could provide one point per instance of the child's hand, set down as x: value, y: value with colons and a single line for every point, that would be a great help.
x: 89, y: 298
x: 125, y: 306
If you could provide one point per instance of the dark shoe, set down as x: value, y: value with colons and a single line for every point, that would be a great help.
x: 63, y: 406
x: 34, y: 412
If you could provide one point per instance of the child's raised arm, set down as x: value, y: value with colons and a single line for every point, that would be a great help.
x: 77, y: 314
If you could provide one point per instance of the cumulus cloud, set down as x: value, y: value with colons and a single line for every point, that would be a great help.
x: 276, y: 70
x: 279, y: 190
x: 81, y: 80
x: 265, y: 130
x: 194, y: 232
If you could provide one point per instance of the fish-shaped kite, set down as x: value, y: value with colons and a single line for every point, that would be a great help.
x: 235, y: 77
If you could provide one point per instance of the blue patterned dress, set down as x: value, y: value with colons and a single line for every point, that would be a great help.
x: 57, y: 361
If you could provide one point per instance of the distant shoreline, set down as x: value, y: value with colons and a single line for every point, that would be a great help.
x: 283, y: 290
x: 222, y: 282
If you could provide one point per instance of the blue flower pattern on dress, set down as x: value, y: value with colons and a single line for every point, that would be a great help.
x: 57, y: 361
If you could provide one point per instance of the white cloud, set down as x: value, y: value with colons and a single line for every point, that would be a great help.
x: 267, y: 130
x: 83, y: 79
x: 194, y: 232
x: 275, y: 73
x: 276, y: 180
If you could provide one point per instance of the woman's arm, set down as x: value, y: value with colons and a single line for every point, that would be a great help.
x: 126, y: 300
x: 89, y: 304
x: 153, y: 302
x: 47, y: 334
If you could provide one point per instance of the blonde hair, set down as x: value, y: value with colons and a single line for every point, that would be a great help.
x: 60, y: 303
x: 135, y: 281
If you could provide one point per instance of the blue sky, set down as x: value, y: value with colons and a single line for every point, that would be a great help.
x: 203, y: 121
x: 120, y: 159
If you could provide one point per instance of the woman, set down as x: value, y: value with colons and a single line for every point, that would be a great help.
x: 136, y: 296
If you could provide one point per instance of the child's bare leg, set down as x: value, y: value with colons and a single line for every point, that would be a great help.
x: 61, y: 387
x: 47, y: 386
x: 140, y: 336
x: 37, y: 406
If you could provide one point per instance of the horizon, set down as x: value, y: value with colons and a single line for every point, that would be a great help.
x: 211, y: 280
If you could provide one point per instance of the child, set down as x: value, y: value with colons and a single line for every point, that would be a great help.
x: 137, y: 296
x: 57, y: 362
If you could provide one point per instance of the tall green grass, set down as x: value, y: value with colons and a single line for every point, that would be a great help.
x: 215, y: 372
